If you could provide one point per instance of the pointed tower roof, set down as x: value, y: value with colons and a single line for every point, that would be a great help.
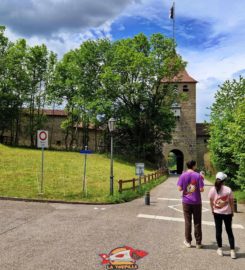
x: 182, y: 77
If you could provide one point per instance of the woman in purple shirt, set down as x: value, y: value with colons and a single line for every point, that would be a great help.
x: 191, y: 184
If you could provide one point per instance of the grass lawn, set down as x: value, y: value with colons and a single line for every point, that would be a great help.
x: 20, y: 174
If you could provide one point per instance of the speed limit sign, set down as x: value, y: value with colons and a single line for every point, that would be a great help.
x: 42, y: 139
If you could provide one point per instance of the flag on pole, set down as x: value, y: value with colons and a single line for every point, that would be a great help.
x: 171, y: 12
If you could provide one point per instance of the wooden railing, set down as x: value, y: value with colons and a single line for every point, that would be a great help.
x: 136, y: 182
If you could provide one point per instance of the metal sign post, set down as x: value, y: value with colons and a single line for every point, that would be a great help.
x: 41, y: 191
x: 42, y: 142
x: 84, y: 173
x: 85, y: 152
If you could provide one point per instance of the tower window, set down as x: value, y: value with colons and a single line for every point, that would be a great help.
x: 185, y: 88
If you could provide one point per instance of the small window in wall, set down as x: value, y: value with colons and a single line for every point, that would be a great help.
x: 185, y: 88
x: 58, y: 143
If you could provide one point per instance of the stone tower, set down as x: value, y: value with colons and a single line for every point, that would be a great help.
x: 184, y: 141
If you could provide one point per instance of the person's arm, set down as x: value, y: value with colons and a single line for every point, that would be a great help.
x: 180, y: 184
x: 211, y: 199
x: 201, y: 184
x: 212, y: 205
x: 180, y: 188
x: 231, y: 201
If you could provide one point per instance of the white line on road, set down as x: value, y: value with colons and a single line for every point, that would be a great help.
x: 181, y: 211
x: 174, y: 207
x: 179, y: 200
x: 209, y: 223
x: 96, y: 208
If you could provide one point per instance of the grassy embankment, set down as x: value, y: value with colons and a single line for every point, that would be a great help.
x: 20, y: 174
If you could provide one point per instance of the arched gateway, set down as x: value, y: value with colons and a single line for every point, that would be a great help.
x: 175, y: 161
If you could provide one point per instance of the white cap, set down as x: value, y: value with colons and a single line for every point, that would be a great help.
x: 221, y: 176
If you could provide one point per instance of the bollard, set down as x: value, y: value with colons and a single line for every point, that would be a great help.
x: 235, y: 205
x: 147, y: 198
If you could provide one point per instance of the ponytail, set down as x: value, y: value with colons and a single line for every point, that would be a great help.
x: 218, y: 184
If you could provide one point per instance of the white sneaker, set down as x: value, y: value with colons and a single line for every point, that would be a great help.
x: 188, y: 245
x: 233, y: 254
x: 220, y: 251
x: 198, y: 246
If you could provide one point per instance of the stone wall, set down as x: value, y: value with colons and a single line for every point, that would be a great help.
x: 57, y: 134
x: 202, y: 149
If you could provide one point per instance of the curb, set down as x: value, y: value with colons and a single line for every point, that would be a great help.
x: 53, y: 201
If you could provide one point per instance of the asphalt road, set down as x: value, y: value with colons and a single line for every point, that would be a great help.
x: 45, y: 236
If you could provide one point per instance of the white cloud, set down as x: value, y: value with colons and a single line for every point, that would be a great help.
x: 34, y: 17
x: 218, y: 62
x: 62, y: 42
x: 64, y: 24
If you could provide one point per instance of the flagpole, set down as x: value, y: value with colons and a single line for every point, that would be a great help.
x: 174, y: 21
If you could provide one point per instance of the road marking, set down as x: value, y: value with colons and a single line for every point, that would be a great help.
x: 176, y: 209
x: 204, y: 209
x: 96, y: 208
x: 179, y: 200
x: 209, y: 223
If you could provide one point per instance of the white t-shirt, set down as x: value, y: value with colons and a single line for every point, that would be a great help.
x: 221, y: 201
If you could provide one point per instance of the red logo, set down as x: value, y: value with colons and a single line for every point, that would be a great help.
x: 43, y: 135
x: 221, y: 202
x: 122, y: 258
x: 191, y: 187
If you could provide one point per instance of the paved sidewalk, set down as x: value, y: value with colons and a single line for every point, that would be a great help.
x: 44, y: 236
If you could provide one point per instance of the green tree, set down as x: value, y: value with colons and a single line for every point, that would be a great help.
x: 123, y: 79
x: 226, y: 137
x: 237, y: 136
x: 13, y: 85
x: 132, y: 86
x: 37, y: 65
x: 64, y: 90
x: 5, y: 97
x: 77, y: 84
x: 50, y: 79
x: 17, y: 83
x: 91, y: 58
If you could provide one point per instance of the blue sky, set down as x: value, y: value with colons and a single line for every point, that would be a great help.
x: 210, y: 34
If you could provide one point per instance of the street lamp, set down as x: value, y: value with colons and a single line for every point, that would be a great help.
x: 176, y: 109
x: 111, y: 126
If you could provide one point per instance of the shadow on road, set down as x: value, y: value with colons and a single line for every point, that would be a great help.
x: 226, y: 249
x: 212, y: 246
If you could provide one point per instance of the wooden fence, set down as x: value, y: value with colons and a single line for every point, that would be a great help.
x: 136, y: 182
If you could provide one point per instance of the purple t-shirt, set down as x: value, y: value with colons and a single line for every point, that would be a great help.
x: 191, y: 182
